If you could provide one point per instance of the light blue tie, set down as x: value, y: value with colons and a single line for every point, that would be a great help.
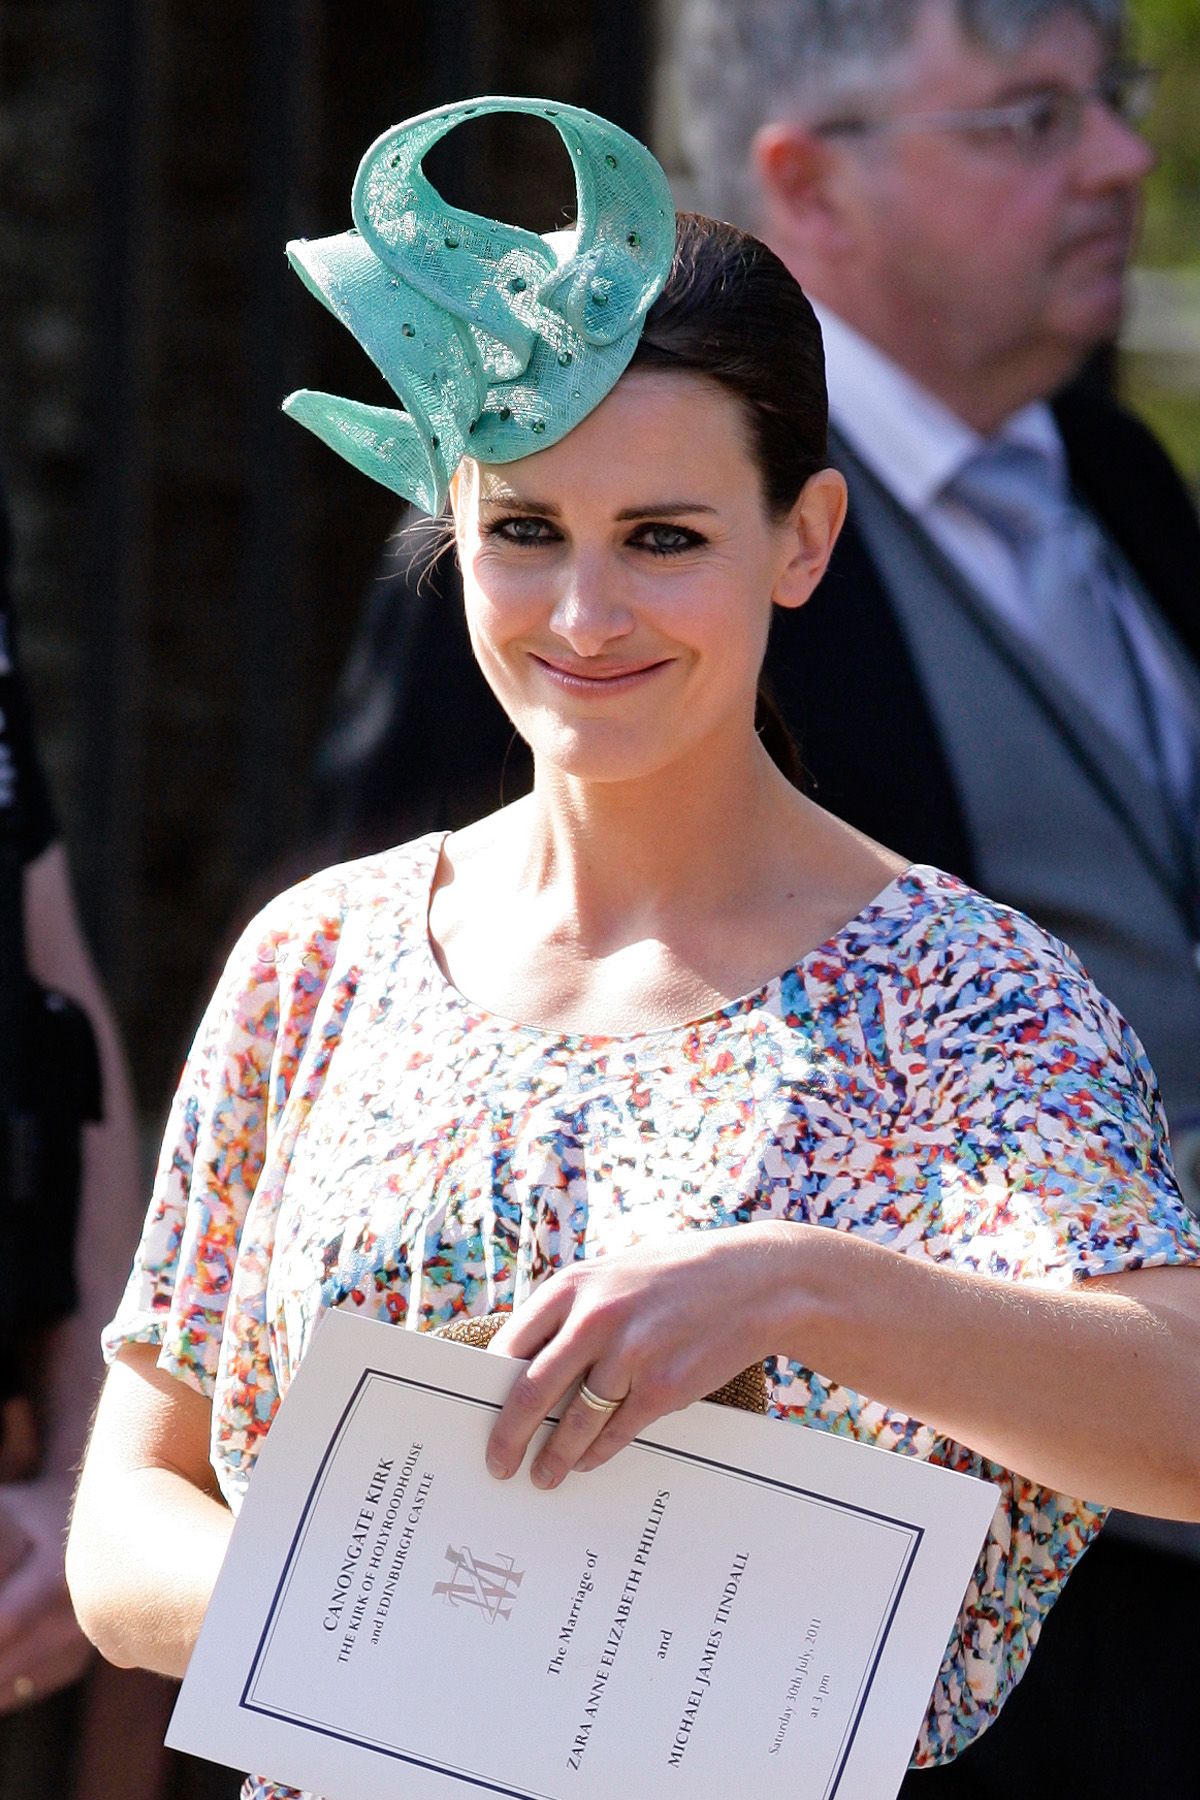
x: 1076, y: 595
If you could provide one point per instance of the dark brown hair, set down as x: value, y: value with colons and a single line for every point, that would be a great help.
x: 732, y: 312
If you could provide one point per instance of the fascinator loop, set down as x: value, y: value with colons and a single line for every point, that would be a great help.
x: 497, y: 342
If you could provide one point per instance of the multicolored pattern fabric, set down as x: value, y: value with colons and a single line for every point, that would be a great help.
x: 940, y: 1077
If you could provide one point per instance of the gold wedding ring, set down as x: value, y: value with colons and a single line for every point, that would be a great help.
x: 595, y: 1401
x: 24, y: 1689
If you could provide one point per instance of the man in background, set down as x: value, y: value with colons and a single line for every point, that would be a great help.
x: 61, y: 1064
x: 956, y: 187
x: 999, y: 674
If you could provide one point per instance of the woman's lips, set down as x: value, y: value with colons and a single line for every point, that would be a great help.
x: 617, y: 678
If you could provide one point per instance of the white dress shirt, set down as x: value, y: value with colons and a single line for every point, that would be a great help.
x: 915, y: 445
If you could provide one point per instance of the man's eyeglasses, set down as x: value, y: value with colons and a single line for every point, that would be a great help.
x: 1040, y: 126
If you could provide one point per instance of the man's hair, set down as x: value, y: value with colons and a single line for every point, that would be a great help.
x: 736, y: 64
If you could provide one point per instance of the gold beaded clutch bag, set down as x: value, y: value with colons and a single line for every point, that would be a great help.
x: 747, y: 1390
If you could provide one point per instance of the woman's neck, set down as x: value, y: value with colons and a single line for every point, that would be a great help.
x: 612, y: 856
x: 600, y: 907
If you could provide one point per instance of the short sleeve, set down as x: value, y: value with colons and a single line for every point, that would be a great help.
x: 1062, y: 1167
x: 234, y: 1083
x: 1058, y: 1168
x: 1009, y: 1124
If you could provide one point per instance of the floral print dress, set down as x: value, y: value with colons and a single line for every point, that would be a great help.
x: 940, y: 1077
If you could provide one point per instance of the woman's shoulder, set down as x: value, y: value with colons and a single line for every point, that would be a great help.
x: 927, y: 921
x: 382, y: 897
x: 967, y: 964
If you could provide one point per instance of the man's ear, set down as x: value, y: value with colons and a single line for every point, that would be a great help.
x: 796, y: 172
x: 814, y: 526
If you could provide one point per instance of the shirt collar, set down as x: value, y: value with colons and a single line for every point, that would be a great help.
x: 907, y: 436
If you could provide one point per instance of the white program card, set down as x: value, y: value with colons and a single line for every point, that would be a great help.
x: 732, y: 1605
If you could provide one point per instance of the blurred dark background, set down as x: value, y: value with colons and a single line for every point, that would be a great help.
x: 189, y: 563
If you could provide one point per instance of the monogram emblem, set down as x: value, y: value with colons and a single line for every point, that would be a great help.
x: 490, y: 1587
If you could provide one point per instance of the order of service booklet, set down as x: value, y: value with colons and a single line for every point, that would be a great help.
x: 733, y: 1605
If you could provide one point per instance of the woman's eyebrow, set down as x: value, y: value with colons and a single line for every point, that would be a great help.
x: 499, y: 495
x: 546, y: 509
x: 667, y: 509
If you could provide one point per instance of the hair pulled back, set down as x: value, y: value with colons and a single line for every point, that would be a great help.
x: 732, y: 312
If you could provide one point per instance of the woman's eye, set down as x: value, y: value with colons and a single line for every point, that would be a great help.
x: 527, y: 529
x: 522, y: 531
x: 666, y: 540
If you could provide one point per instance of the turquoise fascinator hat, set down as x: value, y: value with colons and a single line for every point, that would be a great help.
x: 496, y: 341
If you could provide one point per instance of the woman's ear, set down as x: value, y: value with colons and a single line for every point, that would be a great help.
x: 813, y: 527
x: 463, y: 486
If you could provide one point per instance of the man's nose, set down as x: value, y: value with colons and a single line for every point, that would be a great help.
x: 1112, y: 153
x: 590, y: 611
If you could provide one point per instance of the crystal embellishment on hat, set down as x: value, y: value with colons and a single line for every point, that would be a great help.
x: 496, y: 341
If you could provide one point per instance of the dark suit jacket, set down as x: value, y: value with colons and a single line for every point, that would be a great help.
x: 416, y: 741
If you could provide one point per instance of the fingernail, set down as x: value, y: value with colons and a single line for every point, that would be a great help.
x: 543, y: 1478
x: 496, y: 1465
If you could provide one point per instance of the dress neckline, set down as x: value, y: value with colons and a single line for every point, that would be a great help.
x: 914, y: 879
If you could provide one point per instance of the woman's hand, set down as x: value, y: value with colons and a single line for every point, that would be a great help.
x: 653, y: 1328
x: 1009, y: 1369
x: 41, y: 1647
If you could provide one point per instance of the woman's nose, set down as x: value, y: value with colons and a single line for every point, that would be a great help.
x: 589, y: 611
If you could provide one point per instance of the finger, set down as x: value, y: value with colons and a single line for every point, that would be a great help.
x: 535, y: 1333
x: 537, y: 1390
x: 534, y: 1324
x: 653, y: 1396
x: 581, y: 1425
x: 619, y: 1431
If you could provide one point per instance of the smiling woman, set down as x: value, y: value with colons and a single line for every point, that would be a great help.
x: 663, y: 1059
x: 586, y: 574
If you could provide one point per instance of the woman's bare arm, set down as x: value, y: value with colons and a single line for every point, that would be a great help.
x: 1094, y: 1392
x: 149, y: 1529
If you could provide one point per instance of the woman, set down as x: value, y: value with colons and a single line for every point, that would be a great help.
x: 665, y: 1059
